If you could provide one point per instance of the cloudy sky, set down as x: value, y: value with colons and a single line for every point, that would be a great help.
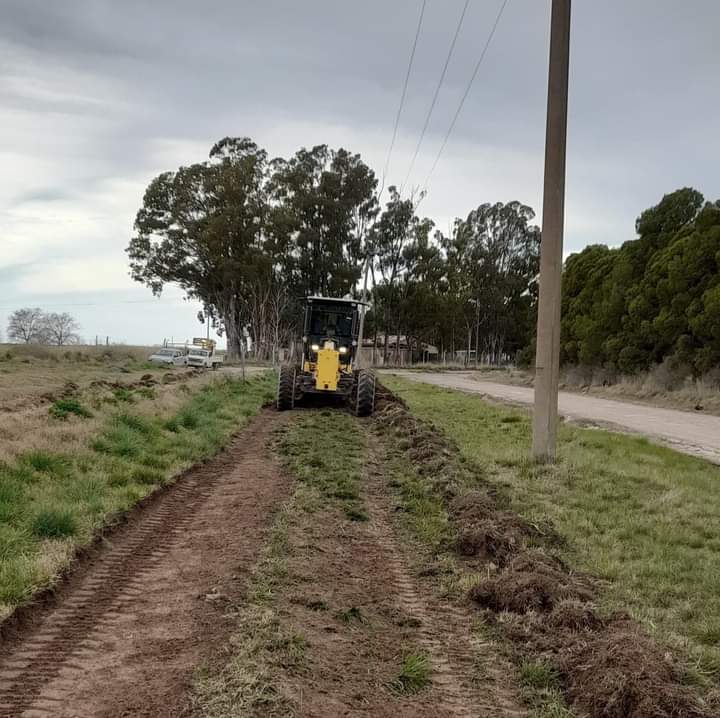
x: 97, y: 97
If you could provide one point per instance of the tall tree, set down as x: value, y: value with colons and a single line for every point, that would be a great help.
x: 389, y: 237
x: 503, y: 248
x: 323, y: 201
x: 25, y: 325
x: 60, y: 329
x: 201, y: 227
x: 652, y: 299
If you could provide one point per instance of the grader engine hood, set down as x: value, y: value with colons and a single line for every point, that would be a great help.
x: 327, y: 369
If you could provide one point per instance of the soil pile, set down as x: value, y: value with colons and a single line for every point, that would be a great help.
x: 608, y: 667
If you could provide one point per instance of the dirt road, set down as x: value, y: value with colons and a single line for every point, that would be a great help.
x: 155, y: 604
x: 691, y: 433
x: 151, y: 604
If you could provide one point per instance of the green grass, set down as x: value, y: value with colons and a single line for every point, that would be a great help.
x: 423, y: 509
x: 640, y: 516
x: 54, y: 523
x: 51, y: 503
x: 44, y: 463
x: 326, y: 452
x: 414, y: 673
x: 541, y: 688
x: 63, y: 408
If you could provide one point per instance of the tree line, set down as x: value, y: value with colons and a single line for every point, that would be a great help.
x: 250, y: 237
x: 31, y: 325
x: 653, y: 299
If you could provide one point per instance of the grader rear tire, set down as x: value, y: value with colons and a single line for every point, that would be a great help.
x: 365, y: 393
x: 286, y: 388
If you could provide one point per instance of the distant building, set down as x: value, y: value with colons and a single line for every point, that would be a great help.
x: 401, y: 350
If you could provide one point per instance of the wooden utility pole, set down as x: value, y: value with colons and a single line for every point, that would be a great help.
x: 547, y: 360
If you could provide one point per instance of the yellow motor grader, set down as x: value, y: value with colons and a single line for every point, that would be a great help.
x: 328, y: 363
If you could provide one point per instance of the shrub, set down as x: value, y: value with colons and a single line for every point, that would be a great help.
x: 11, y: 496
x: 12, y: 542
x: 62, y: 408
x: 45, y: 462
x: 135, y: 423
x: 189, y: 419
x: 668, y: 376
x: 54, y: 523
x: 172, y: 425
x: 414, y: 674
x: 120, y: 441
x: 122, y: 394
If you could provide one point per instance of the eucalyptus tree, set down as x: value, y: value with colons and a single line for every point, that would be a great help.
x: 202, y: 227
x: 322, y: 202
x: 501, y: 248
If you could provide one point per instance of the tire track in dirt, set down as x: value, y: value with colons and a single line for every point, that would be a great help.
x: 126, y: 631
x: 444, y: 628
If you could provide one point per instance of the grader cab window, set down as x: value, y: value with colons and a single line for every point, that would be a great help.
x: 328, y: 323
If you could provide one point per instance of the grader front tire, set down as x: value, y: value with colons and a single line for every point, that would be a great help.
x: 365, y: 394
x: 286, y: 388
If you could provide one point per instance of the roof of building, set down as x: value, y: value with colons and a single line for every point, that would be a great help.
x: 339, y: 300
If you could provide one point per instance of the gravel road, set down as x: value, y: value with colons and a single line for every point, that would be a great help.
x: 692, y: 433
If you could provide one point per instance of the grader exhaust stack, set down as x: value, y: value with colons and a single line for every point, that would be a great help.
x: 328, y: 363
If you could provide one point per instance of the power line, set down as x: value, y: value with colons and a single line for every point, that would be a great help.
x: 435, y: 96
x: 96, y: 304
x: 402, y: 96
x: 467, y: 91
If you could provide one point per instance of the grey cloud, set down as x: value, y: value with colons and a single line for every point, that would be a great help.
x: 122, y: 77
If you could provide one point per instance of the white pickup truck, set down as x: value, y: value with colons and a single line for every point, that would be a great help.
x: 202, y: 353
x: 168, y: 355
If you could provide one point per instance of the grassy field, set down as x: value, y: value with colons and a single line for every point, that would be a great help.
x: 641, y: 517
x: 70, y: 464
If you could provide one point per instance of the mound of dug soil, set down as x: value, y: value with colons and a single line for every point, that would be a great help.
x: 574, y: 616
x: 473, y: 505
x: 609, y: 668
x: 621, y: 673
x: 532, y: 582
x: 497, y: 538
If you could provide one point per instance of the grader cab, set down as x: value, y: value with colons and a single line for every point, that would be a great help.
x: 328, y: 364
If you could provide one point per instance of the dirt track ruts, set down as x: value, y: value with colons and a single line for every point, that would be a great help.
x: 444, y: 625
x: 126, y: 630
x: 691, y: 433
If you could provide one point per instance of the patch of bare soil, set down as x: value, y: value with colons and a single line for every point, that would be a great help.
x: 125, y: 632
x: 608, y: 667
x: 340, y: 598
x: 456, y: 654
x: 358, y: 608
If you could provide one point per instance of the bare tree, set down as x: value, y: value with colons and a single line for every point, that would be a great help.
x: 60, y: 329
x: 279, y: 301
x: 25, y: 325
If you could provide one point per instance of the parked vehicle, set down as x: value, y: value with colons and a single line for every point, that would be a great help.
x: 166, y: 355
x: 202, y: 354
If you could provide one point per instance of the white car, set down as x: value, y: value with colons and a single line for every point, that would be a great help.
x: 202, y: 357
x: 176, y: 357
